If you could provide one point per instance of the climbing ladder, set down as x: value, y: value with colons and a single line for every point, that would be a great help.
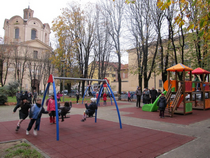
x: 168, y: 97
x: 176, y: 100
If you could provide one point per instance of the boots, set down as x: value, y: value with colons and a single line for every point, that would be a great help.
x: 51, y: 120
x: 54, y: 119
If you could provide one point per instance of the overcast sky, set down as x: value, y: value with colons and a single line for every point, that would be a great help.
x: 44, y: 10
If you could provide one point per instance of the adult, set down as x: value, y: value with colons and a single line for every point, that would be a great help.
x: 146, y: 96
x: 90, y: 110
x: 77, y: 96
x: 18, y: 97
x: 138, y: 97
x: 159, y: 93
x: 34, y: 96
x: 29, y: 97
x: 153, y: 94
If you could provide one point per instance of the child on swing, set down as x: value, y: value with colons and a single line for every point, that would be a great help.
x: 35, y: 116
x: 23, y: 112
x: 90, y: 110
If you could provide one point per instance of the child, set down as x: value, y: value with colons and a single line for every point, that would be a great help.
x: 104, y: 98
x: 90, y: 110
x: 59, y: 95
x: 23, y: 112
x: 51, y: 109
x: 35, y: 115
x: 162, y: 105
x: 65, y: 109
x: 48, y: 100
x: 129, y: 96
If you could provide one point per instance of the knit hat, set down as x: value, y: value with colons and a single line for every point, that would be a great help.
x: 162, y: 94
x: 23, y: 97
x: 93, y: 99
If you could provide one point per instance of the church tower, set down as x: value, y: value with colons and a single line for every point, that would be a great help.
x: 28, y: 13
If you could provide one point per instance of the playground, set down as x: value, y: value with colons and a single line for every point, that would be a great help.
x: 140, y: 134
x: 177, y: 90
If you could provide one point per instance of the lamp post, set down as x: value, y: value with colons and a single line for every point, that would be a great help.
x: 63, y: 76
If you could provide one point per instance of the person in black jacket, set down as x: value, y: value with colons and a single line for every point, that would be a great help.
x: 159, y: 93
x: 146, y: 96
x: 35, y: 115
x: 138, y: 99
x: 153, y: 94
x: 64, y: 110
x: 23, y: 112
x: 77, y: 96
x: 90, y: 110
x: 162, y: 105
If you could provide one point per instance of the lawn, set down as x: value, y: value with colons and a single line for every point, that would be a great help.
x: 66, y: 98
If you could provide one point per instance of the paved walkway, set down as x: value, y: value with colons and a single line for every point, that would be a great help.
x: 143, y: 134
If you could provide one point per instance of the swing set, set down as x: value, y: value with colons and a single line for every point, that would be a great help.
x: 105, y: 83
x: 100, y: 91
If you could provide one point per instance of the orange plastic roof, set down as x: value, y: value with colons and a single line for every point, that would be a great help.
x: 179, y: 67
x: 200, y: 71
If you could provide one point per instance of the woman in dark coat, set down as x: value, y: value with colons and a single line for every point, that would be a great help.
x: 146, y: 96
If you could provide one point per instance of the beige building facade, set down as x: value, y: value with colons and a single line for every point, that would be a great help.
x: 155, y: 80
x: 26, y: 51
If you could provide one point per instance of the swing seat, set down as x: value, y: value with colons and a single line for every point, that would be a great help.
x: 64, y: 111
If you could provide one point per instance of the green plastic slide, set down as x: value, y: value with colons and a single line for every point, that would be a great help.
x: 152, y: 107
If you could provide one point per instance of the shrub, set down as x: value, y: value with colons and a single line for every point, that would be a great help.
x: 3, y: 99
x: 11, y: 88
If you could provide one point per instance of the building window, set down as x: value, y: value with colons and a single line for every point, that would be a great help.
x: 16, y: 33
x: 187, y: 62
x: 186, y: 46
x: 45, y: 37
x: 160, y: 83
x: 35, y: 54
x: 123, y: 75
x: 113, y: 75
x: 107, y: 75
x: 33, y: 34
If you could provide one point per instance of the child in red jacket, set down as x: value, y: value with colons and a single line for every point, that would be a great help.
x: 104, y: 98
x: 51, y: 109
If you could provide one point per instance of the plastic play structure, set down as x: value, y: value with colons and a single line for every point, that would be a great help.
x: 105, y: 83
x: 180, y: 89
x: 152, y: 107
x: 201, y: 87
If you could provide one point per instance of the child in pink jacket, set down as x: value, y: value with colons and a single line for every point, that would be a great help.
x: 51, y: 109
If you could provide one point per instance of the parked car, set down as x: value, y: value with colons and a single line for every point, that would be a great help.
x: 115, y: 93
x: 65, y: 92
x: 198, y: 96
x: 72, y: 93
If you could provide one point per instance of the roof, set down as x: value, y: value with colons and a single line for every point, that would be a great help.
x: 200, y: 71
x: 115, y: 65
x: 179, y: 68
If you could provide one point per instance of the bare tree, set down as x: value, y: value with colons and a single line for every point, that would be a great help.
x: 142, y: 28
x: 102, y: 43
x: 114, y: 11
